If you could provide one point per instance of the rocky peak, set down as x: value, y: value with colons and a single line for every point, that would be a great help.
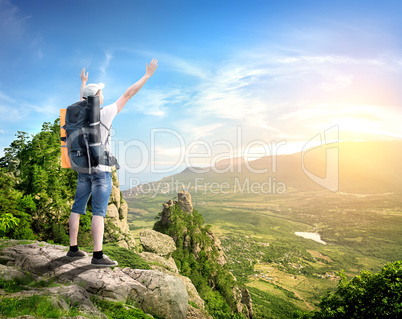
x: 157, y: 243
x: 158, y: 249
x: 165, y: 216
x: 116, y: 225
x: 162, y: 294
x: 189, y: 235
x: 184, y: 200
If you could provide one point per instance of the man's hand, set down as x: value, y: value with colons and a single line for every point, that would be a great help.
x: 84, y: 78
x: 149, y: 70
x: 132, y: 90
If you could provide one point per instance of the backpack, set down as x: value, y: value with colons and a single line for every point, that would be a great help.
x: 81, y: 145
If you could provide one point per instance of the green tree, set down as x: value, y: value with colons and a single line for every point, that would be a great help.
x: 364, y: 296
x: 213, y: 281
x: 13, y: 208
x: 7, y: 221
x: 41, y: 192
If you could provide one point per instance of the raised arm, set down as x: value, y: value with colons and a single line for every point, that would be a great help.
x: 132, y: 90
x: 84, y: 79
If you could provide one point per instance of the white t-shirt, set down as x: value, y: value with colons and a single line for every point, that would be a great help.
x: 107, y: 115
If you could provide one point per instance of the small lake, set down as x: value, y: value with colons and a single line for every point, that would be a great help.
x: 314, y: 236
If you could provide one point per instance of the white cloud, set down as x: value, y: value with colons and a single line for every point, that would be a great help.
x: 192, y: 68
x: 197, y: 132
x: 156, y: 102
x: 286, y: 96
x: 20, y: 109
x: 49, y: 107
x: 272, y: 93
x: 10, y: 114
x: 12, y: 23
x: 228, y: 93
x: 37, y: 47
x: 336, y: 83
x: 178, y: 64
x: 104, y: 66
x: 6, y: 97
x: 363, y: 121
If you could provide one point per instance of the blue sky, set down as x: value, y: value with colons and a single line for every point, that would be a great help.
x: 233, y: 76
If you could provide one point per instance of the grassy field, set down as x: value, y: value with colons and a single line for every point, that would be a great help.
x: 285, y: 272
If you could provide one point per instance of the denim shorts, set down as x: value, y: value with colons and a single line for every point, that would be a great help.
x: 100, y: 186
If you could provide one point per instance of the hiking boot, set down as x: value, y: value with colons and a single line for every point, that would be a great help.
x: 105, y: 261
x: 76, y: 254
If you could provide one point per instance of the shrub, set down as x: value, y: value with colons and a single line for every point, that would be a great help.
x: 117, y: 310
x: 39, y: 306
x: 365, y: 296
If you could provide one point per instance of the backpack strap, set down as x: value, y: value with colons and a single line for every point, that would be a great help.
x: 108, y: 132
x: 108, y: 158
x: 88, y: 151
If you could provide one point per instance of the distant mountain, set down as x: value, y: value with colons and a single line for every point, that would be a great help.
x: 350, y: 167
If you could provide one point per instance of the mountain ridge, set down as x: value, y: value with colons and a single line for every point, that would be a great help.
x: 356, y: 167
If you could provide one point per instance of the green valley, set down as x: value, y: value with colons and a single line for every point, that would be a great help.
x: 285, y: 272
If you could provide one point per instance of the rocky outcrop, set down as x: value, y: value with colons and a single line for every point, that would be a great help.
x: 184, y: 200
x: 166, y: 295
x: 158, y: 249
x: 221, y: 259
x: 246, y: 301
x: 157, y: 243
x: 212, y: 248
x: 153, y: 291
x: 159, y: 263
x: 166, y: 212
x: 116, y: 225
x: 75, y: 295
x: 10, y: 273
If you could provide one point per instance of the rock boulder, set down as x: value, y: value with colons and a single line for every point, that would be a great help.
x: 116, y: 225
x: 157, y: 243
x: 155, y: 292
x: 184, y: 200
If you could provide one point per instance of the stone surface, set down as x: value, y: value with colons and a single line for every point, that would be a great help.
x: 155, y: 292
x: 216, y: 243
x: 246, y: 300
x: 193, y: 295
x: 169, y: 266
x: 112, y: 212
x: 6, y: 259
x: 242, y: 298
x: 165, y: 218
x: 123, y: 211
x: 77, y: 296
x: 59, y: 296
x: 184, y: 200
x: 243, y: 301
x: 115, y: 195
x: 157, y: 260
x: 157, y: 243
x: 194, y: 313
x: 166, y: 293
x: 116, y: 226
x: 10, y: 273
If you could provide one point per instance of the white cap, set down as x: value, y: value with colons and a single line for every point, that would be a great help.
x: 92, y: 89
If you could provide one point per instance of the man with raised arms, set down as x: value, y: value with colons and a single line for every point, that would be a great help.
x: 99, y: 184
